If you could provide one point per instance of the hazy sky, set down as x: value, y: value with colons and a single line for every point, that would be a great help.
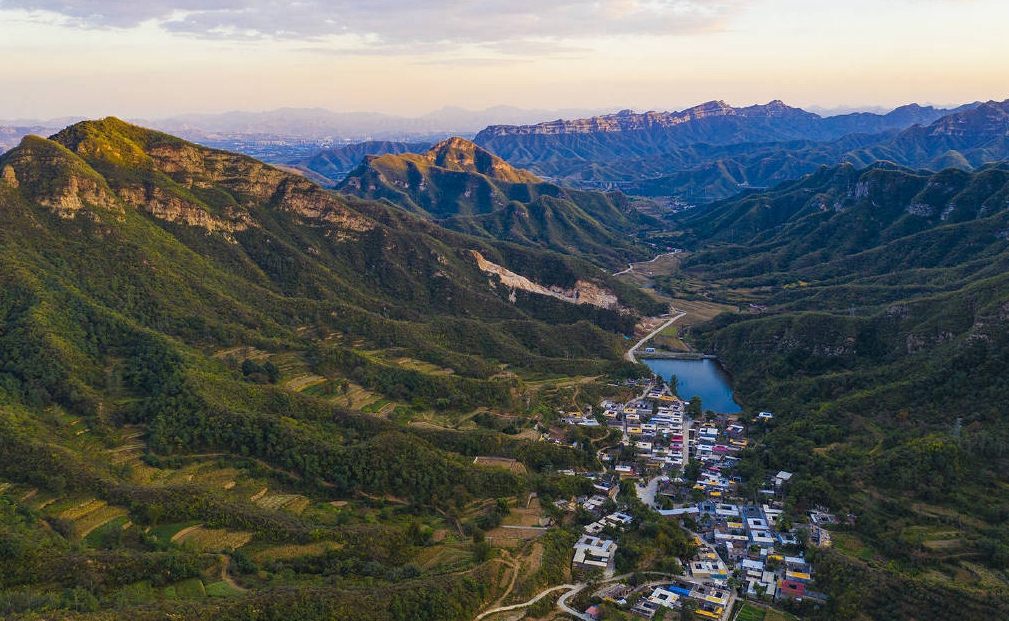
x: 152, y: 58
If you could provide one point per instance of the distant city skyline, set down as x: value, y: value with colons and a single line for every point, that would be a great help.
x: 169, y: 57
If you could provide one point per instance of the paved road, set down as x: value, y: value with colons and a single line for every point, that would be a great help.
x: 562, y: 603
x: 630, y: 266
x: 686, y: 439
x: 630, y: 352
x: 540, y: 596
x: 573, y: 590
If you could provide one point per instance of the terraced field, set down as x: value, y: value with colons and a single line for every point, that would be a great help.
x: 211, y: 539
x: 294, y: 503
x: 286, y: 552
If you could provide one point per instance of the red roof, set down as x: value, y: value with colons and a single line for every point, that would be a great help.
x: 792, y: 588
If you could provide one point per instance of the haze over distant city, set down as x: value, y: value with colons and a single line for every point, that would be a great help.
x: 151, y: 59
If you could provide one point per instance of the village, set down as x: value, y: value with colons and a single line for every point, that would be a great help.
x: 681, y: 462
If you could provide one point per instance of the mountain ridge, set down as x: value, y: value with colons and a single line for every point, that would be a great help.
x: 466, y: 188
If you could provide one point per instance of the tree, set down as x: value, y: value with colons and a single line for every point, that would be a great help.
x: 802, y: 536
x: 693, y: 408
x: 272, y: 372
x: 692, y: 471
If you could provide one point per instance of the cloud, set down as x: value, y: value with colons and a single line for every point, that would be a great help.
x: 395, y: 23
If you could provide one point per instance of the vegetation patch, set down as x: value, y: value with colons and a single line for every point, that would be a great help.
x: 203, y: 539
x: 751, y: 613
x: 190, y: 589
x: 222, y: 589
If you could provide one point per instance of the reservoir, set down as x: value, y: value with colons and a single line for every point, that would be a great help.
x: 703, y: 378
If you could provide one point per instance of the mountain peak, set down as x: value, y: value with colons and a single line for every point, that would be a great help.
x: 460, y: 155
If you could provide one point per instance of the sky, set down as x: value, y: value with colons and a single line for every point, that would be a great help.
x: 157, y: 58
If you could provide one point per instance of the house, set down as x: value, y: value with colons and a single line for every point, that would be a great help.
x: 726, y: 511
x: 619, y: 520
x: 708, y: 568
x: 624, y: 470
x: 594, y: 505
x: 645, y: 608
x: 791, y: 588
x: 678, y: 512
x: 781, y: 480
x: 736, y: 551
x: 798, y: 577
x: 594, y: 553
x: 664, y: 597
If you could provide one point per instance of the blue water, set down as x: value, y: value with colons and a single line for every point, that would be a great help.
x: 703, y: 378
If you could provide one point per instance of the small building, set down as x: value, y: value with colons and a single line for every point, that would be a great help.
x: 664, y: 597
x: 594, y: 553
x: 791, y: 588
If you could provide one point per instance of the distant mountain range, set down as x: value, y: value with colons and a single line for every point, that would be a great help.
x: 697, y: 155
x: 714, y: 150
x: 316, y: 124
x: 11, y: 132
x: 335, y: 164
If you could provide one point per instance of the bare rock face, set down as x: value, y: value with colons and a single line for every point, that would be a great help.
x: 69, y: 184
x: 77, y: 193
x: 10, y: 177
x: 256, y: 182
x: 177, y: 174
x: 584, y: 292
x: 166, y: 206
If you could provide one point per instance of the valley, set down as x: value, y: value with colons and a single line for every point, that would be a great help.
x: 412, y: 397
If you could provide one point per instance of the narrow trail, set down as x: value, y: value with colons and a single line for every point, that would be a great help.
x: 507, y: 559
x: 226, y: 577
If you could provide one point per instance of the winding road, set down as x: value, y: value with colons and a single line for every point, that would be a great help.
x: 630, y: 266
x: 630, y: 352
x: 573, y: 589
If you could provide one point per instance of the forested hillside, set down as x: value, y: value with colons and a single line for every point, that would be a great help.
x: 208, y: 367
x: 879, y: 342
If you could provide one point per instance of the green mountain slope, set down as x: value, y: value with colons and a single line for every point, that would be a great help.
x: 164, y: 305
x: 467, y: 189
x: 335, y: 164
x: 881, y: 352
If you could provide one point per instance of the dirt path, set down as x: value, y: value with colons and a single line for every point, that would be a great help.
x: 226, y: 577
x: 507, y: 559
